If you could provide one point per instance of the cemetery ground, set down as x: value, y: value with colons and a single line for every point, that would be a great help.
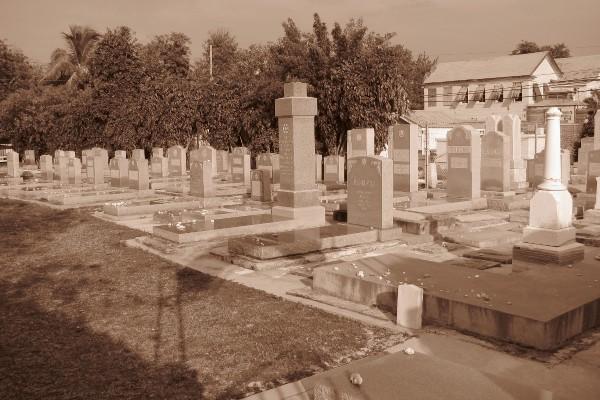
x: 86, y: 317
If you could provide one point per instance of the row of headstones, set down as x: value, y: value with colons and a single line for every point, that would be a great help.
x: 403, y: 147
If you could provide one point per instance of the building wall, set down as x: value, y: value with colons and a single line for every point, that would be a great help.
x: 446, y: 92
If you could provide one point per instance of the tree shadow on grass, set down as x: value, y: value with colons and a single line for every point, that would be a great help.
x: 47, y: 355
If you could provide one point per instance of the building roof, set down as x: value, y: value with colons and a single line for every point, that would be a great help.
x: 583, y: 67
x: 490, y: 68
x: 443, y: 118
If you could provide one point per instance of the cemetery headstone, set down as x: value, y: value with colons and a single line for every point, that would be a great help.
x: 464, y: 163
x: 60, y: 169
x: 409, y: 310
x: 58, y: 153
x: 537, y: 176
x: 261, y: 187
x: 495, y: 162
x: 298, y: 197
x: 240, y: 166
x: 70, y: 154
x: 85, y: 153
x: 138, y: 154
x: 593, y: 171
x: 370, y: 192
x: 138, y: 176
x: 46, y: 167
x: 404, y: 143
x: 269, y: 161
x: 333, y: 169
x: 159, y: 165
x: 95, y: 169
x: 157, y: 152
x: 120, y: 154
x: 319, y: 167
x: 74, y: 171
x: 119, y: 172
x: 549, y: 238
x: 12, y: 162
x: 222, y: 161
x: 360, y: 142
x: 205, y: 153
x: 177, y: 161
x: 29, y: 157
x: 201, y: 184
x: 587, y: 145
x: 597, y: 131
x: 511, y: 125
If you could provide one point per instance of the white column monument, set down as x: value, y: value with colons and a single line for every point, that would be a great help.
x: 549, y: 238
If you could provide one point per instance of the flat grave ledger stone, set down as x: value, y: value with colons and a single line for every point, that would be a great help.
x: 495, y: 162
x: 29, y: 157
x: 593, y: 171
x: 409, y: 311
x: 318, y: 167
x: 201, y: 183
x: 269, y: 161
x: 464, y: 163
x: 333, y: 169
x: 119, y: 172
x: 177, y: 161
x: 74, y: 171
x: 12, y: 163
x: 360, y: 142
x: 138, y: 176
x: 46, y: 167
x: 95, y: 169
x: 138, y: 154
x: 240, y: 166
x: 404, y: 149
x: 222, y: 161
x: 370, y: 192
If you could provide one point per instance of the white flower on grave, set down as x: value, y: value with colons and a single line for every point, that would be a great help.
x: 360, y: 274
x: 409, y: 350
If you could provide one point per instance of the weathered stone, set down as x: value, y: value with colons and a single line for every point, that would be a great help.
x: 334, y: 169
x: 370, y: 192
x: 464, y: 163
x: 403, y: 140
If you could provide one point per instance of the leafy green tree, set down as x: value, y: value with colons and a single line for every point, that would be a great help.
x: 558, y: 50
x: 15, y: 71
x: 359, y: 77
x: 70, y: 65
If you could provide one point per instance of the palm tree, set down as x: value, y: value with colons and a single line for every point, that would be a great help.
x: 70, y: 66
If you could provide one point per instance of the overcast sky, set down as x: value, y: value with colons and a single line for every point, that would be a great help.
x: 450, y: 29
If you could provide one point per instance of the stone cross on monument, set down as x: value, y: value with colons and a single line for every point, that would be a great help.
x: 298, y: 197
x: 549, y: 239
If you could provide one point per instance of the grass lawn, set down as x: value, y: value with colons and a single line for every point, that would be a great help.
x: 84, y: 317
